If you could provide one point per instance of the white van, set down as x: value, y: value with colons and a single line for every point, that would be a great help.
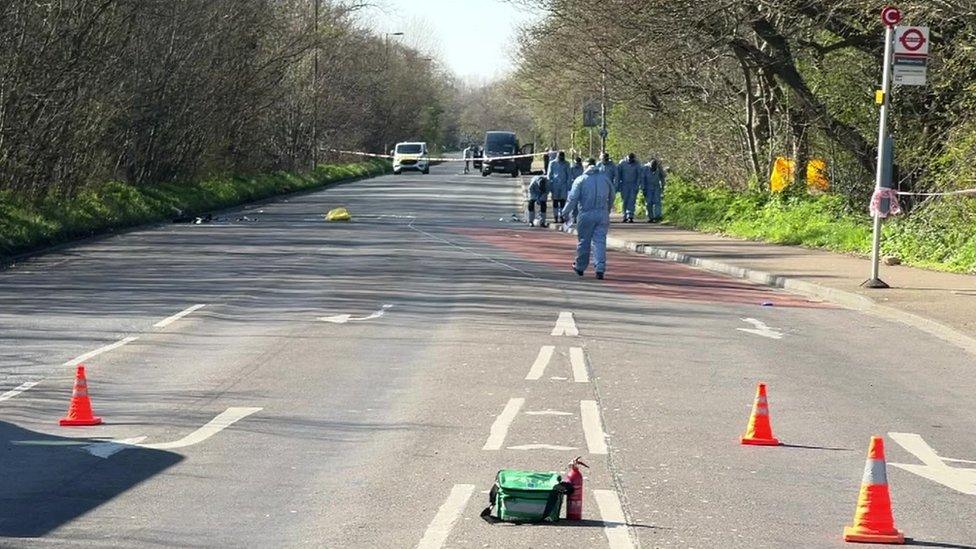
x: 411, y: 156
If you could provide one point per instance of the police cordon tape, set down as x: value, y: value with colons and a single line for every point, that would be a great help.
x: 481, y: 158
x: 944, y: 193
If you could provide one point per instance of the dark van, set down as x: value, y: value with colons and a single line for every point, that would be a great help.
x: 505, y: 144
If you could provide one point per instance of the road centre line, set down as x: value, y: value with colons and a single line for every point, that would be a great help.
x: 614, y: 522
x: 578, y: 360
x: 541, y: 361
x: 17, y: 390
x: 596, y: 439
x: 565, y: 325
x: 171, y: 319
x: 440, y: 527
x: 104, y: 349
x: 499, y: 429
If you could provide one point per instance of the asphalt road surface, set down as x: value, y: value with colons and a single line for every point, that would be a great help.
x: 359, y: 384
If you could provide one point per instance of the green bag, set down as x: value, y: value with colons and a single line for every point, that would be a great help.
x: 526, y: 496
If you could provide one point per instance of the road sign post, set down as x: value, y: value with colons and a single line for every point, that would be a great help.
x: 890, y: 17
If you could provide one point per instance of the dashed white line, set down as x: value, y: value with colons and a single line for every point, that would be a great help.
x: 104, y: 349
x: 440, y: 528
x: 614, y: 522
x: 596, y: 439
x: 578, y: 360
x: 565, y: 325
x: 171, y: 319
x: 499, y: 429
x: 541, y: 361
x: 17, y: 390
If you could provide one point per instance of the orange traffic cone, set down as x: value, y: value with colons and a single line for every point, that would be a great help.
x: 80, y: 410
x: 760, y: 432
x: 873, y: 522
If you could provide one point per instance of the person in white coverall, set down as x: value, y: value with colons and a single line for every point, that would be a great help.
x: 593, y: 193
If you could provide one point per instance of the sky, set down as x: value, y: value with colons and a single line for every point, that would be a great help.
x: 473, y: 38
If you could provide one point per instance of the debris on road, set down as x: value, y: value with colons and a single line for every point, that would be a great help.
x: 338, y: 214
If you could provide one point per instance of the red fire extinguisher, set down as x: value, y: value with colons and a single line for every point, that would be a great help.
x: 574, y: 504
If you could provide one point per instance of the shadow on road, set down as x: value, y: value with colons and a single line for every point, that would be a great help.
x: 809, y: 447
x: 48, y: 481
x: 921, y: 543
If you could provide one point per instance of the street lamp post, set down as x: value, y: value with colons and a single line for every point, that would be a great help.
x: 386, y: 61
x: 603, y: 113
x: 315, y: 86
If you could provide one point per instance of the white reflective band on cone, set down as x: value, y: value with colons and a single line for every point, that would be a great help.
x: 874, y: 472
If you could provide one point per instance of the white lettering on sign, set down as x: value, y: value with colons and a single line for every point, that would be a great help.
x: 934, y: 468
x: 912, y: 40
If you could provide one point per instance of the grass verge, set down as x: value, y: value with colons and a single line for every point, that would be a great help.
x: 27, y: 225
x: 940, y: 235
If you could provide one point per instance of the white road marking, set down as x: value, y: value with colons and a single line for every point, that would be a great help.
x: 596, y: 439
x: 935, y: 469
x: 440, y: 528
x: 104, y: 349
x: 223, y: 420
x: 614, y: 521
x: 548, y: 413
x: 109, y: 448
x: 541, y: 361
x: 542, y: 447
x: 499, y: 429
x: 761, y: 329
x: 578, y: 360
x: 565, y: 325
x: 342, y: 319
x: 171, y: 319
x: 17, y: 390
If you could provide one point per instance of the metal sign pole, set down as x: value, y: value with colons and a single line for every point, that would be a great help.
x: 875, y: 280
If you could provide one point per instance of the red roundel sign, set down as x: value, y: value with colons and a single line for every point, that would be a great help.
x: 912, y: 40
x: 890, y: 16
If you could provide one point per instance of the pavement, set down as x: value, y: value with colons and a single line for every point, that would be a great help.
x: 289, y: 382
x: 942, y: 304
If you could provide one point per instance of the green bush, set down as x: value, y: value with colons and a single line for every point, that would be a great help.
x: 27, y: 225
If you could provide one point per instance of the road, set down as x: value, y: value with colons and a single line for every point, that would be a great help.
x: 379, y: 373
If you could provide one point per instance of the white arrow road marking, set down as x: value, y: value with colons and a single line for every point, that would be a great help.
x: 499, y: 429
x: 17, y: 390
x: 109, y: 448
x: 578, y: 360
x: 542, y: 447
x: 614, y: 520
x: 541, y: 361
x: 440, y: 528
x: 934, y: 468
x: 223, y: 420
x: 565, y: 325
x: 761, y: 329
x: 342, y: 319
x: 596, y: 439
